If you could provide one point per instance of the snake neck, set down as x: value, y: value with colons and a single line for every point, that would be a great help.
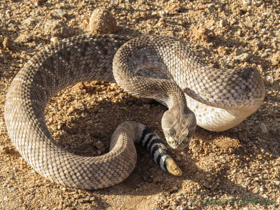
x: 176, y: 99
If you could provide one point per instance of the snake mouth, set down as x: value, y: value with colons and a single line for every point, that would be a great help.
x: 173, y: 145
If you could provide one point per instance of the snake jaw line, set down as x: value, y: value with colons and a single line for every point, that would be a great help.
x: 173, y: 168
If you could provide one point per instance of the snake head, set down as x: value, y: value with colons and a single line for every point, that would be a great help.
x: 178, y: 127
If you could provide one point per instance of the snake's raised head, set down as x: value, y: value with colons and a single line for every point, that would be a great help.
x: 178, y: 127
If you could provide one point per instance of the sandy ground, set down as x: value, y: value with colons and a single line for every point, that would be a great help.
x: 240, y: 166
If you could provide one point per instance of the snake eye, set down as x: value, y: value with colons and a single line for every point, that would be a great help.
x: 172, y: 132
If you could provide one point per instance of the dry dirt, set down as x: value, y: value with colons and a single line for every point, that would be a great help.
x: 241, y: 165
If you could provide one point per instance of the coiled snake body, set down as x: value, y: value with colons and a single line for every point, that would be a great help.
x: 156, y: 67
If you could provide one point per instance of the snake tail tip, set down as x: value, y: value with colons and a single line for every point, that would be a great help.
x: 172, y: 167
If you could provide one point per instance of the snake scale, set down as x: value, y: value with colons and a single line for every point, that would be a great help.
x: 161, y: 68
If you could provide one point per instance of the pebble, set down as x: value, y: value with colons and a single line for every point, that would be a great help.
x: 57, y: 28
x: 102, y: 22
x: 7, y: 43
x: 61, y: 12
x: 179, y: 197
x: 173, y: 189
x: 130, y: 103
x: 246, y: 3
x: 180, y: 208
x: 239, y: 51
x: 263, y: 128
x: 269, y: 80
x: 189, y: 203
x: 157, y: 208
x: 258, y: 3
x: 22, y: 38
x: 275, y: 60
x: 4, y: 149
x: 39, y: 2
x: 243, y: 57
x: 55, y: 39
x: 29, y: 21
x: 223, y: 23
x: 277, y: 182
x: 265, y: 54
x: 71, y: 109
x: 178, y: 158
x: 211, y: 5
x: 209, y: 179
x: 157, y: 179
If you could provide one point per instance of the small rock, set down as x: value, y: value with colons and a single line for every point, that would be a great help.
x: 277, y: 183
x: 178, y: 158
x: 239, y: 51
x: 102, y: 22
x: 80, y: 106
x: 157, y: 208
x: 276, y: 75
x: 265, y: 54
x: 209, y: 179
x: 71, y: 110
x: 72, y: 130
x: 130, y: 103
x: 162, y: 13
x: 243, y: 57
x: 211, y: 5
x: 243, y: 136
x: 39, y: 1
x: 61, y: 12
x: 267, y: 50
x: 60, y: 125
x: 180, y: 208
x: 247, y: 2
x: 223, y: 23
x: 258, y: 3
x: 189, y: 203
x: 179, y: 197
x: 23, y: 38
x: 263, y: 128
x: 173, y: 189
x: 55, y: 39
x: 29, y: 21
x: 269, y: 80
x: 157, y: 179
x: 7, y: 43
x: 80, y: 86
x: 274, y: 131
x: 202, y: 34
x: 4, y: 149
x: 57, y: 28
x: 275, y: 60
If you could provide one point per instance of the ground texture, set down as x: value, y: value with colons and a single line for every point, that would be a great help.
x: 236, y: 169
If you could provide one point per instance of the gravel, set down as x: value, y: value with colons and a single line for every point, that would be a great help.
x: 220, y: 170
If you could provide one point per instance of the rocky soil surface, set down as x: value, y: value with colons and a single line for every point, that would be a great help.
x: 236, y: 169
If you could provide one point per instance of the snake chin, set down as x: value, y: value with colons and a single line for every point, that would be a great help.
x: 178, y: 130
x: 179, y: 142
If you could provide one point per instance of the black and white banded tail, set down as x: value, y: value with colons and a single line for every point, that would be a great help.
x: 152, y: 142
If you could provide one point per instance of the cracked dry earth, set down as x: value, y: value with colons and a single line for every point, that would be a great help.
x: 241, y: 165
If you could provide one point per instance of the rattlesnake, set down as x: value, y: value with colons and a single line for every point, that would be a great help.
x: 161, y: 68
